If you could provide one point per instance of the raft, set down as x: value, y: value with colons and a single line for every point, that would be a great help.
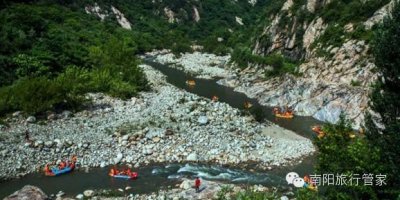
x: 290, y: 116
x: 134, y: 175
x: 247, y: 105
x: 318, y: 131
x: 57, y: 172
x: 191, y: 82
x: 214, y: 98
x: 313, y: 188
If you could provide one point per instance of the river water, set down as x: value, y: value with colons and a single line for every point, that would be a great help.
x: 157, y: 176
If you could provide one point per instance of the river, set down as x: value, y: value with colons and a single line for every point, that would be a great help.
x: 157, y: 176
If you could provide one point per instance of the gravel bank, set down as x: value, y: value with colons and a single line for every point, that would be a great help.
x: 200, y: 65
x: 184, y: 190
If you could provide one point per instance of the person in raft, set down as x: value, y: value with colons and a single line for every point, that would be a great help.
x: 47, y: 168
x: 62, y: 165
x: 197, y: 184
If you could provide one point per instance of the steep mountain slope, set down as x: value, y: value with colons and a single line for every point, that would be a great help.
x: 217, y: 25
x: 330, y: 39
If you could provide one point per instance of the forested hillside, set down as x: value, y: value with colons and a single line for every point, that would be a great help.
x: 46, y: 45
x: 52, y: 55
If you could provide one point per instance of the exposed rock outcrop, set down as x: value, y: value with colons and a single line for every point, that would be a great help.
x: 28, y: 192
x: 196, y: 15
x: 380, y: 15
x: 104, y: 13
x: 337, y: 81
x: 121, y: 18
x: 169, y: 14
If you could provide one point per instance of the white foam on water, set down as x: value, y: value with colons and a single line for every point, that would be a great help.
x: 219, y: 173
x: 175, y: 176
x: 190, y: 169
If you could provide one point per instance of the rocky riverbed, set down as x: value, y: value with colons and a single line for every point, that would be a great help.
x: 308, y: 94
x: 164, y: 125
x: 183, y: 190
x: 200, y: 65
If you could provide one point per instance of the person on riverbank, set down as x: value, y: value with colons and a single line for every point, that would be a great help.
x: 27, y: 136
x: 197, y: 184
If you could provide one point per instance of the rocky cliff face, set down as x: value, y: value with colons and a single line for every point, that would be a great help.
x: 104, y: 13
x: 333, y: 78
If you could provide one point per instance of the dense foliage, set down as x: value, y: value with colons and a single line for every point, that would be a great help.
x: 378, y: 151
x: 51, y: 56
x: 339, y: 13
x: 340, y: 154
x: 47, y: 45
x: 217, y: 20
x: 279, y: 64
x: 386, y: 102
x: 227, y: 193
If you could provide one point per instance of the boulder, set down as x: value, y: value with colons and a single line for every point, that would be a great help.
x: 79, y: 196
x: 185, y: 185
x: 28, y: 192
x: 66, y: 114
x: 51, y: 116
x: 88, y: 193
x: 60, y: 194
x: 48, y: 144
x: 156, y: 139
x: 125, y: 137
x: 118, y: 158
x: 38, y: 143
x: 17, y: 114
x: 202, y: 120
x: 284, y: 198
x: 192, y: 157
x: 31, y: 119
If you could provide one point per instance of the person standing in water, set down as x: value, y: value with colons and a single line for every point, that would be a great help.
x: 197, y: 184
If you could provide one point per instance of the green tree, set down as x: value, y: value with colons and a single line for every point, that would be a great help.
x: 339, y: 153
x: 385, y: 101
x: 28, y: 66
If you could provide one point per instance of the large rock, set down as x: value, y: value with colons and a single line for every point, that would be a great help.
x: 31, y: 119
x: 329, y: 113
x: 202, y: 120
x: 28, y: 192
x: 118, y: 158
x: 192, y: 157
x: 88, y: 193
x: 186, y: 184
x: 49, y: 144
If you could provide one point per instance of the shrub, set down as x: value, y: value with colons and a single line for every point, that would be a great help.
x: 341, y: 154
x: 34, y: 95
x: 355, y: 83
x: 307, y: 194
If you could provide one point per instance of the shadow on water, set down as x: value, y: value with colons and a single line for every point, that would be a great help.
x: 157, y: 176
